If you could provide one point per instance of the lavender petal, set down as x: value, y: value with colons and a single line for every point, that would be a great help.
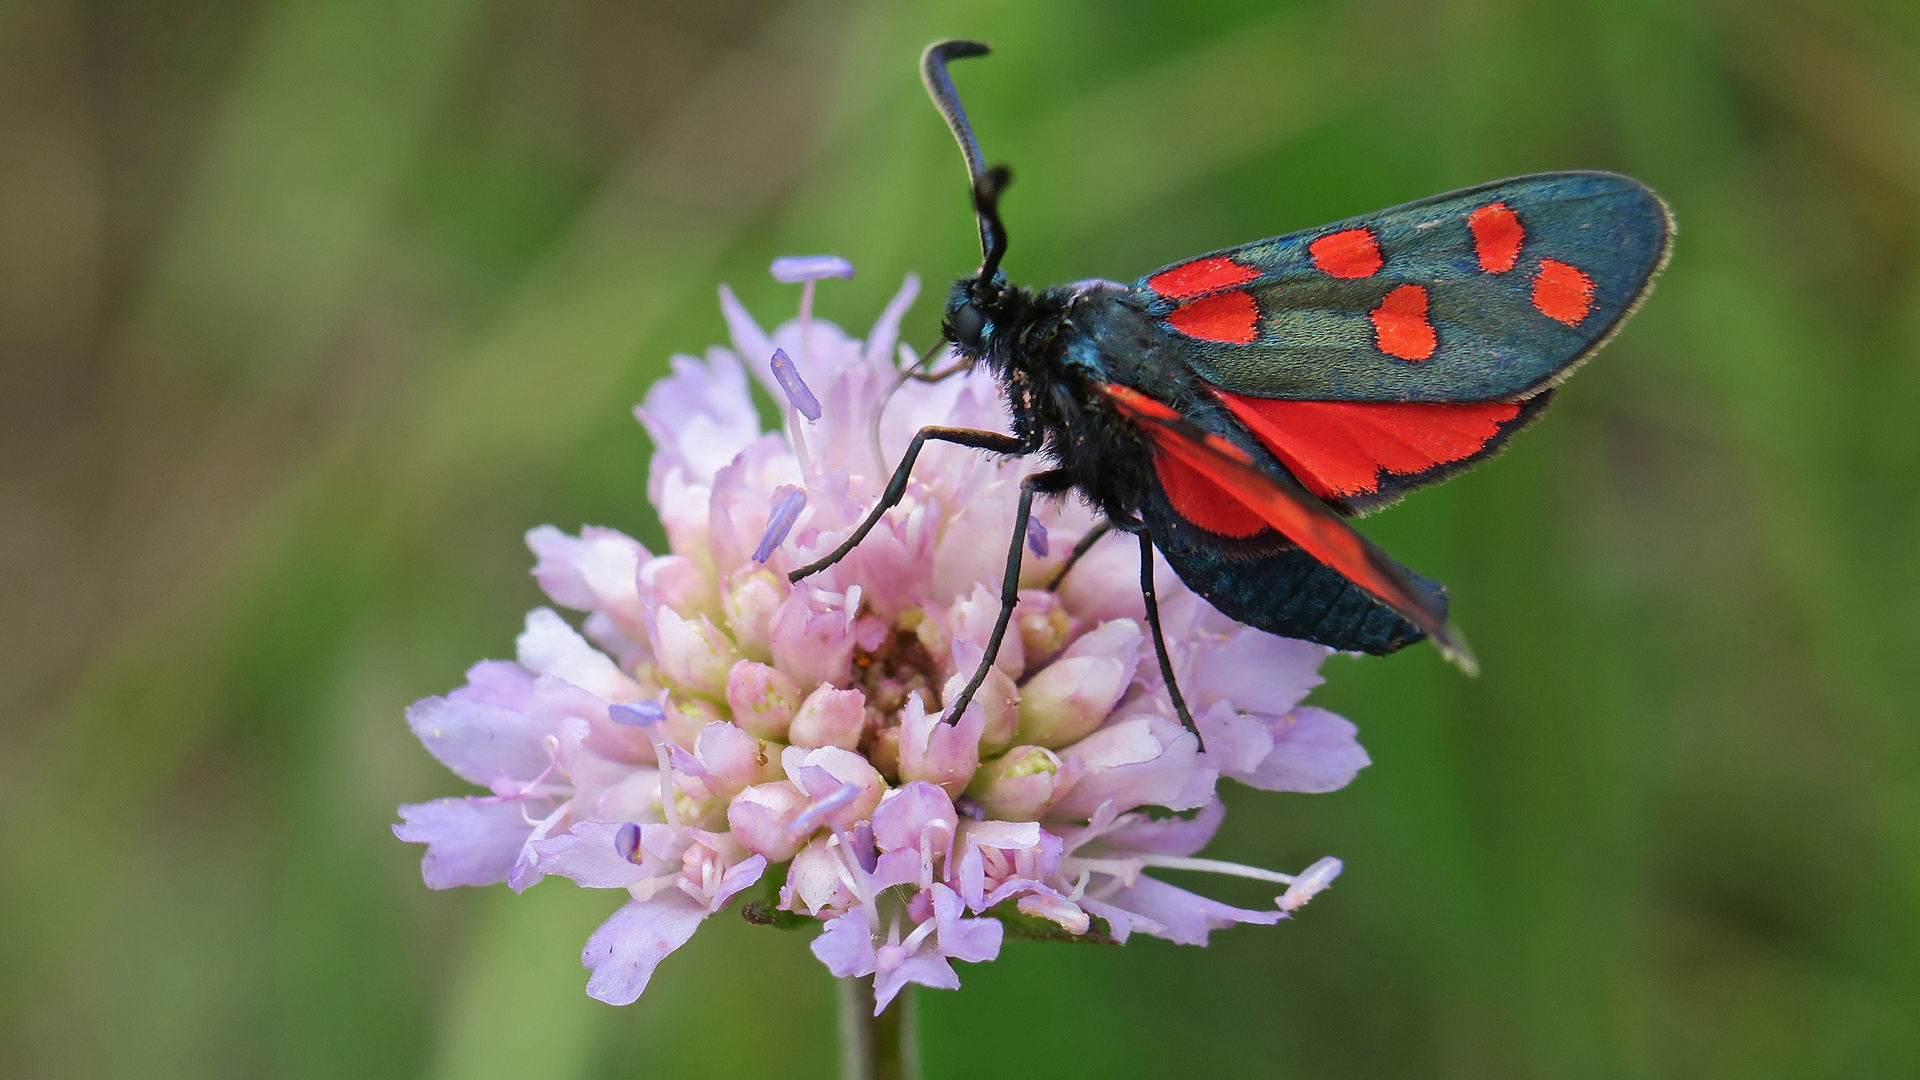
x: 469, y: 841
x: 631, y: 943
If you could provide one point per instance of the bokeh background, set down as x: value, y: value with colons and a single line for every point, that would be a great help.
x: 309, y: 308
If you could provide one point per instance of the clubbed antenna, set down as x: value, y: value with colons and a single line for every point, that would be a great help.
x: 986, y: 184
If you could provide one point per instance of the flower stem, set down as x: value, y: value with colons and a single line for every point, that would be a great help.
x: 884, y: 1047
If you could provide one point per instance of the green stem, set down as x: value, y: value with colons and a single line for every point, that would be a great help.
x: 884, y: 1047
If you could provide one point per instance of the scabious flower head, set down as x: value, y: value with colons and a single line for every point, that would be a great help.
x: 710, y: 728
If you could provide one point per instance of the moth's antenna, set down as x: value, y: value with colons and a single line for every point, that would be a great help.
x: 986, y: 204
x: 933, y: 72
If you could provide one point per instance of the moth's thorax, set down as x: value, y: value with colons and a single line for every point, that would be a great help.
x: 1044, y: 347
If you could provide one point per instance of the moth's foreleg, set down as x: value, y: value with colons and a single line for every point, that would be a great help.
x: 1052, y: 482
x: 991, y: 441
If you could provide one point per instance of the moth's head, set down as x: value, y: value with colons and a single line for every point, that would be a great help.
x: 976, y: 306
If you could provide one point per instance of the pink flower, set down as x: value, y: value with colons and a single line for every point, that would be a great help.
x: 711, y: 722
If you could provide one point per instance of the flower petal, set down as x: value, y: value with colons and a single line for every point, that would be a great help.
x: 846, y: 946
x: 1313, y: 751
x: 1166, y: 836
x: 886, y: 329
x: 549, y: 646
x: 927, y: 970
x: 588, y: 856
x: 469, y: 841
x: 1256, y: 671
x: 701, y: 415
x: 626, y: 948
x: 971, y: 940
x: 1175, y: 914
x: 1145, y: 760
x: 481, y: 743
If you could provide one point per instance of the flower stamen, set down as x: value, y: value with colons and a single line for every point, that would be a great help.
x: 786, y: 511
x: 1036, y: 538
x: 799, y: 394
x: 809, y: 819
x: 1214, y: 866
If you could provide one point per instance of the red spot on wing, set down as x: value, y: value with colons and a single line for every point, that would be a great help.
x: 1202, y: 500
x: 1352, y: 253
x: 1200, y: 276
x: 1562, y: 292
x: 1341, y: 448
x: 1400, y: 325
x: 1497, y: 235
x: 1229, y: 317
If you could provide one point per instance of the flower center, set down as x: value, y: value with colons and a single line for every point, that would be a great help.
x: 894, y: 670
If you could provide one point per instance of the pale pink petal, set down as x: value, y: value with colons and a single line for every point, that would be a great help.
x: 1157, y: 908
x: 1145, y: 760
x: 931, y: 971
x: 846, y: 946
x: 1255, y: 671
x: 1313, y: 751
x: 1164, y: 836
x: 878, y: 351
x: 625, y: 950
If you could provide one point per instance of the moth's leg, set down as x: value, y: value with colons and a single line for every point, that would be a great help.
x: 1053, y: 482
x: 1160, y: 639
x: 1084, y: 545
x: 991, y: 441
x: 958, y: 367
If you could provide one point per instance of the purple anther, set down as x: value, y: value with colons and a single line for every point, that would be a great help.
x: 810, y: 818
x: 626, y: 840
x: 863, y: 848
x: 798, y: 392
x: 786, y: 511
x: 637, y: 714
x: 1037, y: 537
x: 965, y: 805
x: 797, y: 268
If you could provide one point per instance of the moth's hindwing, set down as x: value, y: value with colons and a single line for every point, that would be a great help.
x: 1489, y: 294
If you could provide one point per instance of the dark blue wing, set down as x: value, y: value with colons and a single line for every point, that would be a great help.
x: 1493, y: 293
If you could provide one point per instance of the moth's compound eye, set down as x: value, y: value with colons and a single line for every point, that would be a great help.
x: 966, y: 324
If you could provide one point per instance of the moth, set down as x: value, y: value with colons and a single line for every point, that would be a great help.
x: 1234, y: 409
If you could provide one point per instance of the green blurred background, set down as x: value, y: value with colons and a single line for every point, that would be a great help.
x: 309, y: 308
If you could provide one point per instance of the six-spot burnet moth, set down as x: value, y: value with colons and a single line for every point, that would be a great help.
x: 1233, y: 409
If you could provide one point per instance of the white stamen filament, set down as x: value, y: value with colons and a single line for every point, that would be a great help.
x: 1126, y: 871
x: 644, y: 889
x: 1215, y: 866
x: 797, y: 435
x: 668, y: 810
x: 919, y: 934
x: 854, y: 876
x: 534, y: 789
x: 1079, y: 887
